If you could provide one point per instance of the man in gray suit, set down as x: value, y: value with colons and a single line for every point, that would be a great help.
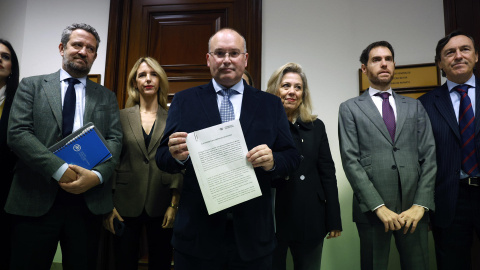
x: 52, y: 201
x: 388, y: 154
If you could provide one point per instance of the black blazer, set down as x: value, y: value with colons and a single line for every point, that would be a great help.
x: 306, y: 203
x: 7, y: 157
x: 195, y: 232
x: 439, y: 107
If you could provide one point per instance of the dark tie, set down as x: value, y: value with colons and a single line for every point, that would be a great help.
x: 466, y: 123
x: 387, y: 113
x: 69, y: 104
x: 226, y: 108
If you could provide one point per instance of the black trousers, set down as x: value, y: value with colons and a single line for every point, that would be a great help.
x: 306, y: 256
x: 5, y: 239
x: 35, y: 239
x: 232, y: 261
x: 453, y: 244
x: 160, y: 250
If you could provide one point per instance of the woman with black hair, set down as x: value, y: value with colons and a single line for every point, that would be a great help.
x: 9, y: 76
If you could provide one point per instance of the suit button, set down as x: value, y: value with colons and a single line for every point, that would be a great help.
x: 394, y: 167
x: 395, y: 149
x: 146, y: 161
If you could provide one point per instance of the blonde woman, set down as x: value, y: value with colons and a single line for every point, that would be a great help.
x: 143, y: 195
x: 306, y: 204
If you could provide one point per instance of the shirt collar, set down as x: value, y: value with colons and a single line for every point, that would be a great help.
x: 372, y: 91
x: 64, y: 75
x: 470, y: 82
x: 239, y: 87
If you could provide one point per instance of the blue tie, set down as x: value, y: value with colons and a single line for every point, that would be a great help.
x: 388, y: 114
x: 466, y: 123
x: 69, y: 104
x: 226, y: 108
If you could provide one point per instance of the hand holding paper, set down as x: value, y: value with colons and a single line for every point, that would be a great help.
x: 85, y: 181
x: 177, y: 145
x: 219, y: 157
x: 261, y: 156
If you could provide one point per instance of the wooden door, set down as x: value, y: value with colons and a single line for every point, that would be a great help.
x: 176, y: 33
x: 463, y: 15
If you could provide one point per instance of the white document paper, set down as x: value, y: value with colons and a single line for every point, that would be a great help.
x: 225, y: 176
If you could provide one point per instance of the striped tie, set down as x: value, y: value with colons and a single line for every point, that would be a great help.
x: 387, y: 114
x: 466, y: 123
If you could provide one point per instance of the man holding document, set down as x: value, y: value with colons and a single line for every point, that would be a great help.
x: 51, y: 200
x: 241, y: 236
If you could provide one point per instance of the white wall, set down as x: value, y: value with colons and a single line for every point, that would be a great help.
x: 324, y: 36
x: 12, y: 21
x: 35, y: 28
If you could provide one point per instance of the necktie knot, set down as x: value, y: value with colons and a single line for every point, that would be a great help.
x: 462, y: 88
x: 72, y: 81
x: 383, y: 95
x: 226, y: 92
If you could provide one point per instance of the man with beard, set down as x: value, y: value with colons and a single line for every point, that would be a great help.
x: 388, y: 154
x: 52, y: 201
x: 453, y: 110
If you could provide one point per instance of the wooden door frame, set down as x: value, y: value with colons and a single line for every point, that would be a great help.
x: 116, y: 70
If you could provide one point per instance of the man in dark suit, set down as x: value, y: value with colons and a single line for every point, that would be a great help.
x: 52, y: 201
x: 241, y: 237
x: 457, y: 189
x: 388, y: 155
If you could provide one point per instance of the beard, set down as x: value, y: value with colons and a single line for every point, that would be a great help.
x: 381, y: 82
x: 75, y: 69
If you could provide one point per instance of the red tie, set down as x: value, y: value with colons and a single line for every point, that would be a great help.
x: 466, y: 123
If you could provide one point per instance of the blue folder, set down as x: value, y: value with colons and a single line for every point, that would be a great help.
x: 86, y: 147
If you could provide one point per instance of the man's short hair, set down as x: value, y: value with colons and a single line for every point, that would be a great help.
x: 442, y: 42
x: 74, y: 26
x: 230, y: 29
x: 366, y: 51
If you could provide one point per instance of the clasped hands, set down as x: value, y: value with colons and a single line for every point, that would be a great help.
x: 259, y: 156
x: 407, y: 219
x: 78, y: 180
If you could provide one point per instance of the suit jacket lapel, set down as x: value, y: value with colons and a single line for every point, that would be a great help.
x: 402, y: 107
x: 158, y: 129
x: 51, y: 87
x: 365, y: 103
x: 90, y: 100
x: 477, y: 105
x: 443, y: 102
x: 135, y: 127
x: 250, y: 105
x: 207, y: 97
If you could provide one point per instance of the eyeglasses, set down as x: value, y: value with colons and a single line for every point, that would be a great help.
x: 222, y: 54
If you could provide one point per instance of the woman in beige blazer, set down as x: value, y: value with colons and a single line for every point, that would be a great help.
x: 143, y: 195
